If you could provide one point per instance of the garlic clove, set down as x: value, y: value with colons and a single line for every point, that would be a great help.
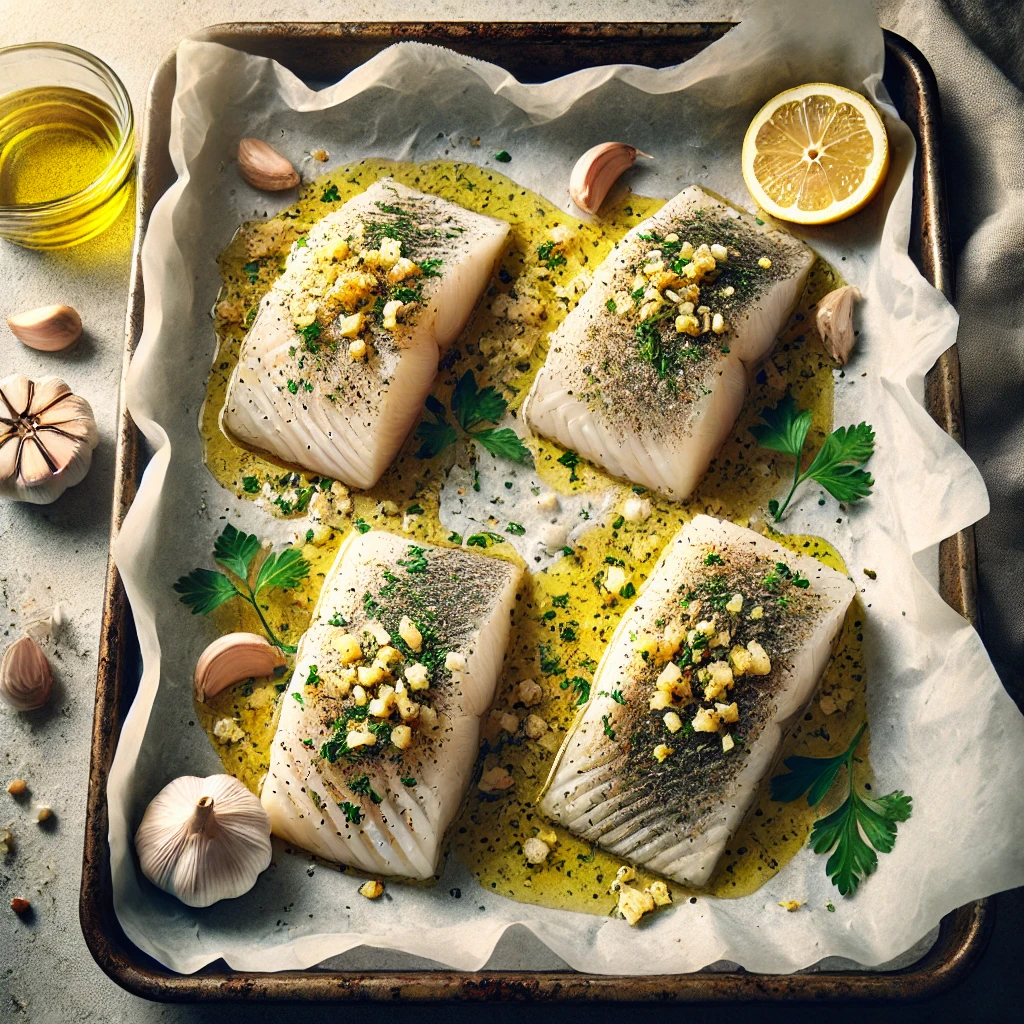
x: 232, y: 658
x: 15, y: 393
x: 204, y: 840
x: 34, y: 468
x: 48, y: 329
x: 26, y: 680
x: 834, y: 319
x: 597, y: 170
x: 261, y: 166
x: 47, y: 437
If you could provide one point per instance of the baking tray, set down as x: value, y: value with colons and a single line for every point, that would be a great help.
x: 323, y: 52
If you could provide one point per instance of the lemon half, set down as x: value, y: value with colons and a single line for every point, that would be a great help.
x: 815, y: 154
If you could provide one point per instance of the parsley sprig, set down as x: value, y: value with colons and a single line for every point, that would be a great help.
x: 470, y: 406
x: 204, y: 590
x: 853, y: 832
x: 838, y: 466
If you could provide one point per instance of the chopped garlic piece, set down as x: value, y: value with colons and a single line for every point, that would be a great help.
x: 764, y: 263
x: 529, y: 692
x: 757, y: 613
x: 390, y: 250
x: 390, y: 314
x: 409, y: 633
x: 357, y: 349
x: 615, y: 579
x: 720, y: 253
x: 347, y: 645
x: 350, y: 326
x: 740, y: 660
x: 495, y: 780
x: 371, y: 889
x: 536, y: 851
x: 659, y: 893
x: 705, y: 721
x: 735, y: 604
x: 791, y: 905
x: 382, y: 704
x: 662, y: 751
x: 404, y: 268
x: 534, y: 726
x: 417, y: 677
x: 455, y: 662
x: 227, y: 730
x: 637, y: 509
x: 720, y: 679
x: 369, y: 675
x: 718, y: 324
x: 728, y: 712
x: 361, y: 737
x: 672, y: 721
x: 727, y: 743
x: 401, y: 737
x: 760, y: 665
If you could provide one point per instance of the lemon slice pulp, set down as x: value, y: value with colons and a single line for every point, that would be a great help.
x: 815, y: 154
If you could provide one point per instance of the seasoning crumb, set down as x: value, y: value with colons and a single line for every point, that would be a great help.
x: 320, y: 154
x: 20, y: 905
x: 871, y: 574
x: 371, y: 889
x: 43, y: 813
x: 791, y: 905
x: 16, y: 787
x: 495, y: 780
x: 536, y: 851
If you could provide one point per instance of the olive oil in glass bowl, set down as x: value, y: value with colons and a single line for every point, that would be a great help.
x: 67, y: 145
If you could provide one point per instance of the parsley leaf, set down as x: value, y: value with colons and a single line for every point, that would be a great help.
x: 570, y: 460
x: 203, y: 590
x: 503, y: 444
x: 235, y: 550
x: 838, y: 466
x: 853, y: 832
x: 471, y: 406
x: 330, y: 195
x: 434, y: 438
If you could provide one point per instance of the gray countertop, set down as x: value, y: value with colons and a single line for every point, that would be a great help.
x: 59, y: 552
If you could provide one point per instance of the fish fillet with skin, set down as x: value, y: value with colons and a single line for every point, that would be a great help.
x: 627, y: 389
x: 298, y: 396
x: 382, y: 807
x: 719, y: 655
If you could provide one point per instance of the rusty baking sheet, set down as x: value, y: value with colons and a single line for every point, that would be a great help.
x: 532, y: 52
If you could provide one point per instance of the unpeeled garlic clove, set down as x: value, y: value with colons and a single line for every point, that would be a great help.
x: 204, y: 840
x: 264, y: 168
x: 48, y: 329
x: 26, y: 680
x: 232, y: 658
x: 835, y: 321
x: 597, y: 170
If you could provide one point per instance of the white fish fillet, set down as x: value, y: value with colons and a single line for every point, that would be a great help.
x: 676, y: 816
x: 597, y: 394
x: 381, y: 809
x: 317, y: 408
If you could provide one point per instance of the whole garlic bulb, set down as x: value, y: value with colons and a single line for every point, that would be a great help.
x: 47, y: 436
x: 204, y: 840
x: 26, y: 681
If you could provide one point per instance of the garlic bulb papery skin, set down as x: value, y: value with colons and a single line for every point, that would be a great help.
x: 204, y: 840
x: 835, y: 321
x: 47, y: 437
x: 26, y: 680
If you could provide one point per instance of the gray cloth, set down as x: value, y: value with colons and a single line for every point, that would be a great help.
x: 976, y: 48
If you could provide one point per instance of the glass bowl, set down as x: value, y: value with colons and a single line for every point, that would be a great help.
x: 29, y: 74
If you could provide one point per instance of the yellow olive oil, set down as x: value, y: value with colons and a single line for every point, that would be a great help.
x: 55, y: 143
x: 563, y: 621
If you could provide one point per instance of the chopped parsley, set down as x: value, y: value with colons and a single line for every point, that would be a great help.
x: 331, y: 194
x: 516, y: 529
x: 252, y: 271
x: 250, y: 484
x: 503, y: 156
x: 362, y: 526
x: 547, y: 255
x: 352, y: 813
x: 570, y: 460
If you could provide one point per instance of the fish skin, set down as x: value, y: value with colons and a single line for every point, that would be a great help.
x: 403, y: 834
x: 355, y: 437
x: 596, y: 396
x: 676, y: 818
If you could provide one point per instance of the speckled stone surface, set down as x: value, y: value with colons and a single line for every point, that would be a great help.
x: 59, y: 552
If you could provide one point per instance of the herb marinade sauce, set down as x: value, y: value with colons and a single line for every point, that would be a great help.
x: 564, y: 620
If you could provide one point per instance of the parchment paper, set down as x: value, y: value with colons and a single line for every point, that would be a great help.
x: 942, y: 727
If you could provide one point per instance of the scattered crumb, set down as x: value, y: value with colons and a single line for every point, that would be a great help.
x: 6, y: 842
x: 637, y: 509
x: 20, y: 905
x: 791, y: 905
x: 634, y: 903
x: 536, y: 851
x: 495, y: 780
x: 529, y: 692
x: 534, y: 726
x: 371, y: 889
x: 43, y: 813
x: 16, y: 787
x: 871, y: 574
x: 227, y: 730
x: 320, y: 154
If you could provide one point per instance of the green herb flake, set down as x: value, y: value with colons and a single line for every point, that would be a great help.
x: 330, y: 194
x: 250, y: 484
x: 503, y: 156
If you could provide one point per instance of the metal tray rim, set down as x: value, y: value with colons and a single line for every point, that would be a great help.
x: 963, y: 933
